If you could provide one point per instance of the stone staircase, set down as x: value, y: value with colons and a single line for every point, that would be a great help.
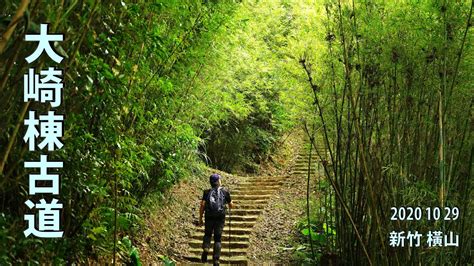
x: 301, y: 165
x: 250, y: 197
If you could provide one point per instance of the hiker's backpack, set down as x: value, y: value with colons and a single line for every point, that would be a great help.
x: 216, y: 202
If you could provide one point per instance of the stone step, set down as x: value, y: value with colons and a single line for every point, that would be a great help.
x: 250, y: 189
x: 239, y: 260
x: 270, y: 187
x: 225, y: 244
x: 224, y: 252
x: 245, y: 224
x: 233, y: 230
x: 314, y: 164
x: 251, y: 186
x: 313, y: 151
x: 306, y: 160
x: 249, y: 201
x: 299, y: 172
x: 251, y: 197
x: 305, y: 164
x: 238, y: 224
x: 305, y: 155
x: 300, y: 168
x: 252, y: 192
x: 225, y: 237
x: 306, y: 151
x: 257, y: 181
x: 304, y: 173
x: 313, y: 170
x: 315, y: 159
x: 245, y: 211
x: 260, y: 184
x: 246, y: 218
x: 269, y: 179
x: 250, y: 206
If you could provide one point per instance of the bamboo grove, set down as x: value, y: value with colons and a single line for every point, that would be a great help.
x: 120, y: 145
x: 157, y: 90
x: 393, y: 107
x: 153, y: 92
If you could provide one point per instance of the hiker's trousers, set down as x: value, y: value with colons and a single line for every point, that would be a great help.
x: 213, y: 225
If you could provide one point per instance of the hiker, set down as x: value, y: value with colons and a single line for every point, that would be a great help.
x: 213, y: 203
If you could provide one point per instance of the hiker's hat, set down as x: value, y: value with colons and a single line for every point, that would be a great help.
x: 214, y: 178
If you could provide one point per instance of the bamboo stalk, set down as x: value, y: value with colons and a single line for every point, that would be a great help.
x: 11, y: 27
x: 338, y: 194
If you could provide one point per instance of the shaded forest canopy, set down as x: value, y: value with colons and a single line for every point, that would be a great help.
x: 154, y: 91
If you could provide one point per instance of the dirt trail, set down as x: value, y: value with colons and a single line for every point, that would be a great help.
x: 268, y: 207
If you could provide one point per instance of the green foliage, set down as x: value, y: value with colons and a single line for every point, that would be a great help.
x: 322, y: 235
x: 391, y: 92
x: 150, y: 89
x: 154, y: 87
x: 130, y: 102
x: 166, y: 260
x: 129, y: 252
x: 262, y: 98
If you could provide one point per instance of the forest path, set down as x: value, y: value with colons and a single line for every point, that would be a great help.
x: 250, y: 198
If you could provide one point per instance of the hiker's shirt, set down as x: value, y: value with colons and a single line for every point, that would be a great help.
x: 227, y: 199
